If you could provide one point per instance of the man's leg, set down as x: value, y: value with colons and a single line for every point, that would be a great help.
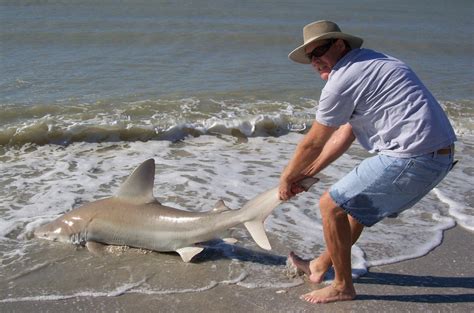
x: 338, y: 237
x: 316, y: 269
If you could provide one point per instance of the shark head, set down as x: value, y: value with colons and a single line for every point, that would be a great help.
x: 137, y: 189
x: 53, y: 231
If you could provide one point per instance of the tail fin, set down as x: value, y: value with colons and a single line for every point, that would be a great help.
x: 258, y: 234
x: 257, y: 209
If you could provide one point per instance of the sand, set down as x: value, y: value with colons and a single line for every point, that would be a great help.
x: 442, y: 281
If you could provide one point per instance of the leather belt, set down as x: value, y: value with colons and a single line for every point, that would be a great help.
x: 446, y: 150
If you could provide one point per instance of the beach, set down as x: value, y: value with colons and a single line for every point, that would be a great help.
x: 89, y: 90
x: 441, y: 281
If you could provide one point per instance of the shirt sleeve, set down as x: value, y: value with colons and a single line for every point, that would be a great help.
x: 334, y: 109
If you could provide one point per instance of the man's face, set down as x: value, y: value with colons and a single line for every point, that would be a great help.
x: 324, y: 64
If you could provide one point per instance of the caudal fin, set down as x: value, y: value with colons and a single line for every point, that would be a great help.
x: 257, y: 231
x: 257, y: 210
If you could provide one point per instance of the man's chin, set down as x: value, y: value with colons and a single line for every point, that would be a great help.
x: 324, y: 75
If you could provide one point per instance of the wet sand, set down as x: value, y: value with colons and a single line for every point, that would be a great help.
x: 442, y: 281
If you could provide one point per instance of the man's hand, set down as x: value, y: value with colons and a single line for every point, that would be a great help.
x: 319, y: 148
x: 289, y: 190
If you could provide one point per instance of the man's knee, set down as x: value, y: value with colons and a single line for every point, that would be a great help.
x: 327, y: 206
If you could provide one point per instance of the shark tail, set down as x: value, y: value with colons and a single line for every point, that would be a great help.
x: 256, y: 211
x: 260, y: 207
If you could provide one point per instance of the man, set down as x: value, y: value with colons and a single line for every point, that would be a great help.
x: 379, y: 101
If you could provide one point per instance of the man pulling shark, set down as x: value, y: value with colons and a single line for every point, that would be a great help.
x: 378, y: 100
x: 133, y: 217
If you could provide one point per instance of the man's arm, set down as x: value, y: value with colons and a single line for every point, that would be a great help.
x: 319, y: 148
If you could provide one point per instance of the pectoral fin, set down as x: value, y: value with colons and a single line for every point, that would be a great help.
x: 96, y: 248
x: 187, y: 253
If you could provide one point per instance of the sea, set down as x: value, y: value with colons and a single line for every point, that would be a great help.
x: 90, y: 89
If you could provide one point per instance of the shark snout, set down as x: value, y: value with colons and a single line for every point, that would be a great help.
x: 41, y: 234
x: 48, y: 233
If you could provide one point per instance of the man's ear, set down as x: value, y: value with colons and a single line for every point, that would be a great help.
x: 340, y: 44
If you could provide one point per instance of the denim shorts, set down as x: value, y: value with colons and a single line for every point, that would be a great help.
x: 383, y: 186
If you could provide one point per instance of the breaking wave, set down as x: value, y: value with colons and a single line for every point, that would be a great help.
x: 149, y: 120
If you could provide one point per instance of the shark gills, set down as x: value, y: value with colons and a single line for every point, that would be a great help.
x: 133, y: 217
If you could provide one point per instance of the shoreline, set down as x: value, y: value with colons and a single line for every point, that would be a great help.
x: 441, y: 281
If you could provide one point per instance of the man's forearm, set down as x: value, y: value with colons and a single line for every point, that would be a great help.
x: 307, y: 151
x: 339, y: 142
x: 304, y: 156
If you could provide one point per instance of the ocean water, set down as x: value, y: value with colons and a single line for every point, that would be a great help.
x: 90, y: 90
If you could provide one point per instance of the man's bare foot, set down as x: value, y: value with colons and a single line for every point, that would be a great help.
x: 329, y: 294
x: 311, y: 268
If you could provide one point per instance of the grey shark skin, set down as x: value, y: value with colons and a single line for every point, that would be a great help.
x: 133, y: 217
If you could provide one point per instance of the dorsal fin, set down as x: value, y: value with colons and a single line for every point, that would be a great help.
x: 220, y: 206
x: 138, y: 187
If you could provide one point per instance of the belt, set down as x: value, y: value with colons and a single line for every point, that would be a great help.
x: 447, y: 150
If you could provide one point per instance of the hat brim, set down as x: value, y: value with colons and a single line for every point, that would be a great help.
x: 299, y: 54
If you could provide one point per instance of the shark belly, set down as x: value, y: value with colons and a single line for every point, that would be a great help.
x: 158, y: 233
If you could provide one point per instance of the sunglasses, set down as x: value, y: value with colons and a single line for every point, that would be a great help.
x: 321, y: 50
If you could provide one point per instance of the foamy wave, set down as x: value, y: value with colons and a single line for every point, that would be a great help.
x: 135, y: 287
x: 436, y: 239
x: 296, y: 282
x: 457, y: 210
x: 44, y: 131
x: 113, y: 293
x: 461, y: 116
x: 150, y: 120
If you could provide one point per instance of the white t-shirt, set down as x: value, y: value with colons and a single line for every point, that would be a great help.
x: 388, y: 107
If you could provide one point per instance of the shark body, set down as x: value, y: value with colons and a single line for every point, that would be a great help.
x: 133, y: 217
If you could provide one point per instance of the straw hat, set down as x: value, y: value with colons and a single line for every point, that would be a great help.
x: 318, y: 31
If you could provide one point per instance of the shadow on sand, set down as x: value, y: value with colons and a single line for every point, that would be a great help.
x: 404, y: 280
x: 218, y: 249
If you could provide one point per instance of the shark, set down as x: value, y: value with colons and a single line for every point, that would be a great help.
x: 134, y: 217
